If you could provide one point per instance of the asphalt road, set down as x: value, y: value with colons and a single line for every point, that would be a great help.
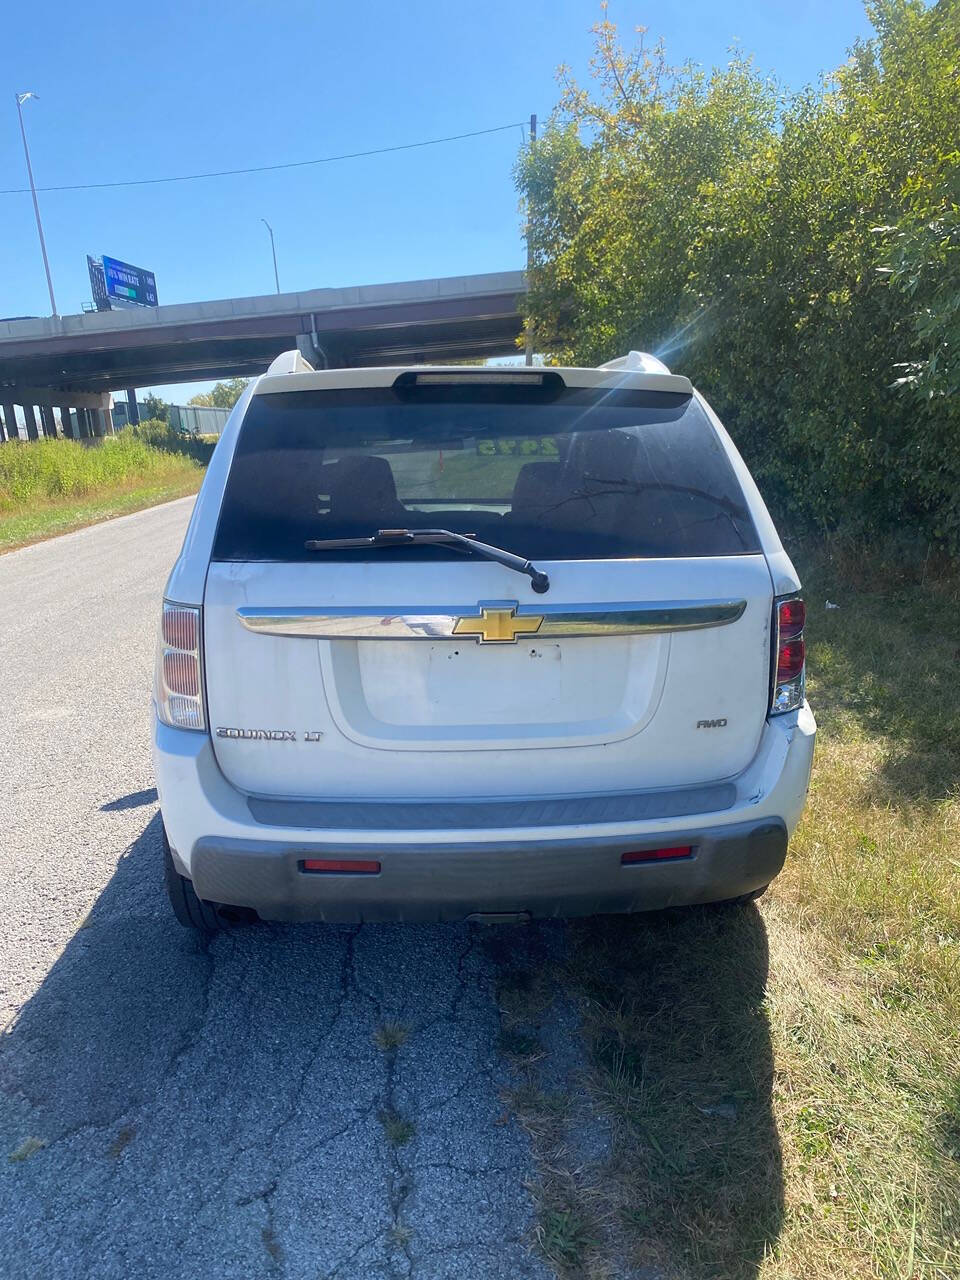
x: 179, y: 1110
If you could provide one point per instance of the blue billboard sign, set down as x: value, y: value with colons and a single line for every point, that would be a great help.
x: 130, y: 286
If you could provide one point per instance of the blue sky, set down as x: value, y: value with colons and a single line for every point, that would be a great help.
x: 130, y: 91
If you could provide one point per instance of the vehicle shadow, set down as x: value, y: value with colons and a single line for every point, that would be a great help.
x: 329, y: 1100
x: 305, y: 1100
x: 134, y: 800
x: 678, y: 1064
x: 681, y: 1040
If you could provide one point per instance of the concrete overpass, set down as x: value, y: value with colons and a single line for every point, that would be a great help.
x: 73, y: 362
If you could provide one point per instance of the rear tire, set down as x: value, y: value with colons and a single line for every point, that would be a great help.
x: 743, y: 899
x: 192, y: 912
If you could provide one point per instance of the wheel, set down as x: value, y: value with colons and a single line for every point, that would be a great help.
x: 743, y: 899
x: 192, y: 912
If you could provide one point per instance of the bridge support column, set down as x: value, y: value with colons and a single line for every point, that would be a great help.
x: 10, y: 422
x: 49, y: 421
x: 133, y: 409
x: 30, y: 418
x: 91, y: 410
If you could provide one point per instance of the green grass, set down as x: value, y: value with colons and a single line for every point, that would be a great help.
x: 564, y: 1238
x: 782, y: 1080
x: 464, y: 474
x: 51, y: 486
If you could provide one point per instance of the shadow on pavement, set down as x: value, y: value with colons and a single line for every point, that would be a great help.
x: 224, y: 1109
x: 230, y: 1109
x: 132, y: 801
x: 679, y: 1045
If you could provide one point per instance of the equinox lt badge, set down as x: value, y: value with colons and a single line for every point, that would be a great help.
x: 269, y: 735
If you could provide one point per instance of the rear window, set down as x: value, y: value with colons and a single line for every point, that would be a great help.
x: 553, y: 472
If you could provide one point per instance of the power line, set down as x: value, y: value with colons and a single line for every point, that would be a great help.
x: 267, y: 168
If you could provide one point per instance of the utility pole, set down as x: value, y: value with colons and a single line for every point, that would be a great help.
x: 276, y: 278
x: 21, y: 99
x: 529, y: 342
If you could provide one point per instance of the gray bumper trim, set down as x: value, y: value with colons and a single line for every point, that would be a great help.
x: 581, y: 876
x: 482, y: 815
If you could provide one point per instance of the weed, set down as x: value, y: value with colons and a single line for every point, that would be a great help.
x: 529, y: 1099
x: 390, y: 1036
x: 272, y: 1245
x: 122, y: 1141
x: 563, y: 1237
x: 398, y: 1130
x: 26, y: 1149
x: 519, y: 1044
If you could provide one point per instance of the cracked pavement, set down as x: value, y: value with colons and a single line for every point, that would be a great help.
x: 211, y: 1109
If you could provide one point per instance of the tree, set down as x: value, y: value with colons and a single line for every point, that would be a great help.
x: 153, y: 408
x: 797, y: 255
x: 224, y: 395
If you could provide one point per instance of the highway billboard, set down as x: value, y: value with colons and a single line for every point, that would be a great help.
x: 128, y: 285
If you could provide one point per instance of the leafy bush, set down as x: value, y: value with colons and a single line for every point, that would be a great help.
x: 159, y: 434
x: 798, y: 256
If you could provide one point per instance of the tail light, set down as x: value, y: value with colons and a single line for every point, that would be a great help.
x: 340, y: 866
x: 656, y: 855
x: 178, y: 683
x: 788, y: 668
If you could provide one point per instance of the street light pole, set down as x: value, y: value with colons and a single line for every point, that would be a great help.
x: 528, y: 344
x: 21, y: 99
x: 273, y: 248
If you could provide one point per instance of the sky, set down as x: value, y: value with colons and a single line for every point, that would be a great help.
x: 129, y: 91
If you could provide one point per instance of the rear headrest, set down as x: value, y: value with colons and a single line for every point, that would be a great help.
x: 535, y: 489
x: 363, y: 487
x: 601, y: 457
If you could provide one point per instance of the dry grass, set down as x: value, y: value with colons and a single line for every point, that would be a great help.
x: 783, y: 1083
x: 864, y: 928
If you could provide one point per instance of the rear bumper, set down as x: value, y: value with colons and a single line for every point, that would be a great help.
x: 514, y: 879
x: 454, y: 871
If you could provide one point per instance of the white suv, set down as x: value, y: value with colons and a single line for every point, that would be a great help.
x: 477, y: 643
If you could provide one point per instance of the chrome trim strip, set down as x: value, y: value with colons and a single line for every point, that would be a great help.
x: 438, y: 622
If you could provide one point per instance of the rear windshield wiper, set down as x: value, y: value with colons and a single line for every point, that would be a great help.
x: 436, y: 537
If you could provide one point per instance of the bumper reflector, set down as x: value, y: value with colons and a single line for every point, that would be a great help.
x: 656, y: 855
x: 340, y: 866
